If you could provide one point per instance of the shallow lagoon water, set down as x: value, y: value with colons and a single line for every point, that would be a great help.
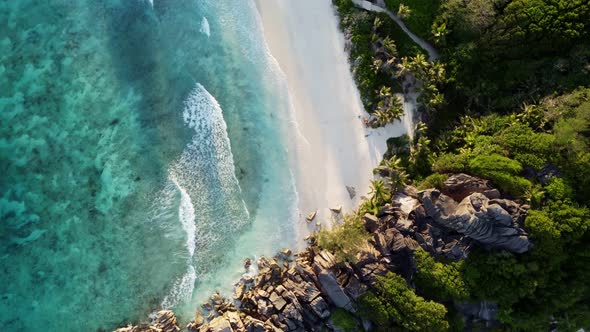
x: 144, y: 154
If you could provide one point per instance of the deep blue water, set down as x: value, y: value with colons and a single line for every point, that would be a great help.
x: 143, y: 152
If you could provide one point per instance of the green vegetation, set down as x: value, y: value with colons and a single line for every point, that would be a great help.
x: 443, y: 282
x: 509, y: 101
x: 435, y: 180
x: 502, y: 54
x: 421, y: 16
x: 430, y: 74
x: 502, y: 171
x: 393, y: 172
x: 345, y: 239
x: 377, y: 44
x: 345, y: 321
x: 549, y: 280
x: 389, y: 108
x: 393, y: 303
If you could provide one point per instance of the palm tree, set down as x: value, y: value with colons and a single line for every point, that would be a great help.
x: 379, y: 193
x: 531, y: 115
x: 440, y: 32
x: 377, y: 63
x: 420, y: 128
x: 419, y: 62
x: 422, y: 142
x: 384, y: 92
x: 377, y: 23
x: 387, y: 166
x: 404, y: 67
x: 382, y: 117
x: 437, y: 99
x: 389, y: 63
x: 395, y: 112
x: 389, y: 46
x: 396, y: 102
x: 403, y: 11
x: 535, y: 196
x: 418, y: 148
x: 438, y: 71
x: 398, y: 180
x: 395, y: 173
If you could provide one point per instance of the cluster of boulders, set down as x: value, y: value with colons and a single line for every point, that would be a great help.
x: 299, y: 292
x: 163, y: 321
x: 286, y: 295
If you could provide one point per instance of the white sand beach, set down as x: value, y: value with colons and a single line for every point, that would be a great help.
x: 335, y: 150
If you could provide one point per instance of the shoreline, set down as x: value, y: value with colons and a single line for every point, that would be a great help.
x: 333, y: 150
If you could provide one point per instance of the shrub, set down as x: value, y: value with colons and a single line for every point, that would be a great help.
x: 502, y: 171
x: 526, y: 146
x: 345, y: 321
x: 499, y: 272
x: 558, y: 189
x: 423, y: 13
x: 440, y: 281
x: 394, y: 303
x: 344, y: 239
x: 484, y: 164
x: 435, y: 180
x: 451, y: 163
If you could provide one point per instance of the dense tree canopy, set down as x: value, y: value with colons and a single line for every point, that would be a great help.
x: 546, y: 24
x: 509, y: 101
x: 393, y: 303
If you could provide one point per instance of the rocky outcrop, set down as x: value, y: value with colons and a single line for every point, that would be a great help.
x: 164, y: 321
x: 478, y: 218
x: 300, y: 295
x: 284, y: 296
x: 459, y: 186
x: 299, y: 292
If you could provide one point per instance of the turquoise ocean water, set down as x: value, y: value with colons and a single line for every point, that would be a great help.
x: 144, y: 153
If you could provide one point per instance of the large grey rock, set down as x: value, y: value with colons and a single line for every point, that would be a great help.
x: 333, y: 290
x: 459, y: 186
x: 320, y: 307
x: 475, y: 217
x: 354, y: 288
x: 371, y: 222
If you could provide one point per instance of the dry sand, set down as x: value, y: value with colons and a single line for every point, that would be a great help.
x: 334, y: 149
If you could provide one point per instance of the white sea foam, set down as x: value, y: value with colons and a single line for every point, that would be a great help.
x: 182, y: 289
x: 204, y: 176
x: 186, y: 214
x: 205, y: 27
